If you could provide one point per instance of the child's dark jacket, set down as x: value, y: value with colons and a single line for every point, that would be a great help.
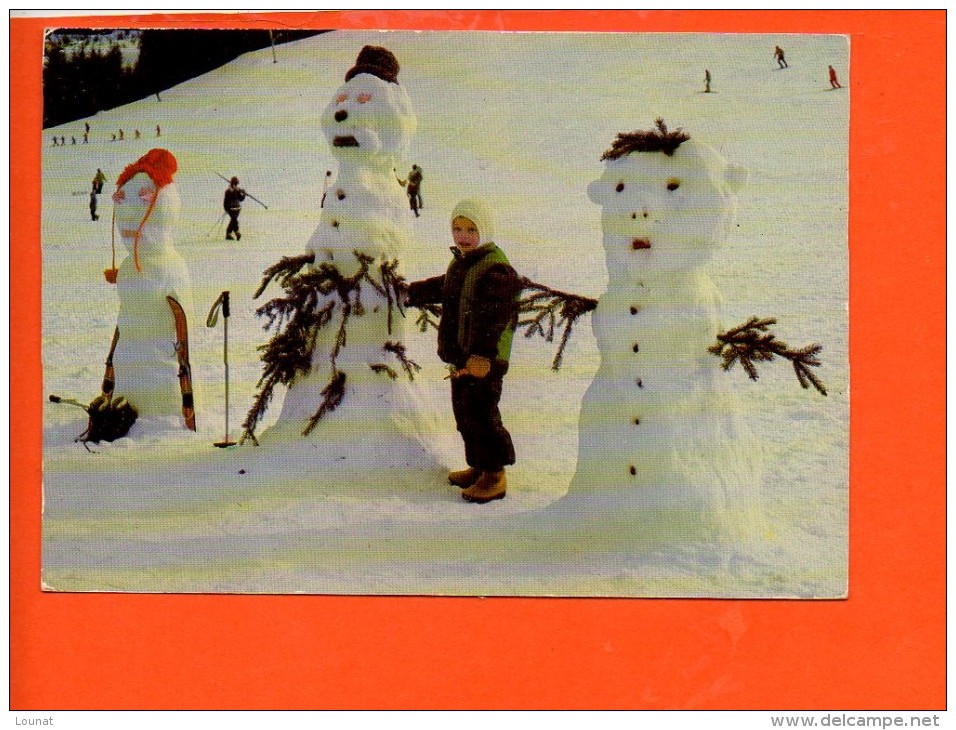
x: 478, y: 315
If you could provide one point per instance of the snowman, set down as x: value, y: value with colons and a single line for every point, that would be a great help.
x: 662, y: 440
x: 364, y: 227
x: 149, y: 358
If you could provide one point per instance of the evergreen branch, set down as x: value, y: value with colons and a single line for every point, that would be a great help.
x: 287, y: 267
x: 332, y: 396
x: 383, y: 368
x: 428, y: 316
x: 752, y: 342
x: 558, y: 307
x: 408, y: 365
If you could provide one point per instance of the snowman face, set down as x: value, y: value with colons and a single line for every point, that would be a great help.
x: 663, y: 211
x: 368, y: 117
x: 132, y: 203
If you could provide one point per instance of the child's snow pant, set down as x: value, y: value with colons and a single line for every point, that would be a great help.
x: 488, y: 445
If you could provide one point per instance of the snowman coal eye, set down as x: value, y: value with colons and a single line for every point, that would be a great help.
x: 340, y: 98
x: 362, y: 98
x: 619, y: 187
x: 673, y: 184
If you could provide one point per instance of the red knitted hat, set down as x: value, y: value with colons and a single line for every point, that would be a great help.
x: 158, y: 163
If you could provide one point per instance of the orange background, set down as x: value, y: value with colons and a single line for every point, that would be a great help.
x: 883, y: 648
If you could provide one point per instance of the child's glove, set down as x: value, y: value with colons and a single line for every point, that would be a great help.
x: 478, y: 366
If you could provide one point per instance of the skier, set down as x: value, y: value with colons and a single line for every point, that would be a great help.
x: 93, y: 214
x: 778, y: 54
x: 706, y: 81
x: 479, y: 298
x: 86, y: 137
x: 232, y: 204
x: 414, y: 189
x: 159, y: 132
x: 73, y: 140
x: 56, y: 141
x: 86, y: 126
x: 122, y: 135
x: 136, y: 134
x: 98, y: 179
x: 834, y: 84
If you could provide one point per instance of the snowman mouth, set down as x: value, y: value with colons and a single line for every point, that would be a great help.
x: 348, y: 141
x: 640, y: 243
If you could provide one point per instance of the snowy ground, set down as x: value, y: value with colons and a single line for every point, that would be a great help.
x: 520, y: 118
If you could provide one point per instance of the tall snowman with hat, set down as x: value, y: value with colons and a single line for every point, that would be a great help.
x: 149, y: 355
x: 357, y: 247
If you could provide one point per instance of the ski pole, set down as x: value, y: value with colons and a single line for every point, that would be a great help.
x: 218, y: 223
x: 248, y: 194
x: 211, y: 320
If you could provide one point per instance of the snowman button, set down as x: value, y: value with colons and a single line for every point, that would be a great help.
x: 637, y: 421
x: 637, y: 347
x: 632, y: 470
x: 335, y: 224
x: 640, y: 383
x: 340, y: 194
x: 634, y: 310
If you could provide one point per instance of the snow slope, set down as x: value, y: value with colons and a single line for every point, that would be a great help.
x: 522, y: 119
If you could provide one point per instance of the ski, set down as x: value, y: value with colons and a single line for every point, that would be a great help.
x: 185, y: 371
x: 109, y: 377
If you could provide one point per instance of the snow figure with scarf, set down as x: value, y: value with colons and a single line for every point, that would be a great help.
x: 149, y: 357
x: 663, y: 448
x: 350, y: 382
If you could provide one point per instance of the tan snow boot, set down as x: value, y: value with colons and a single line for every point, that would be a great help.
x: 464, y: 478
x: 490, y: 485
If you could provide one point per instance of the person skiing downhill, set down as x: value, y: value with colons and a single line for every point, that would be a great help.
x: 93, y: 215
x: 706, y: 81
x: 778, y: 54
x: 834, y: 84
x: 232, y: 204
x: 479, y: 298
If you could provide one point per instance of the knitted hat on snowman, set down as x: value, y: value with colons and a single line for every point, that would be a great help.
x: 160, y: 166
x: 158, y: 163
x: 479, y: 213
x: 376, y: 61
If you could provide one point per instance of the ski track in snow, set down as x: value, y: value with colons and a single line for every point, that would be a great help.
x: 165, y: 511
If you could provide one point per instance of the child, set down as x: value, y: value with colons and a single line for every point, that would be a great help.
x: 479, y: 298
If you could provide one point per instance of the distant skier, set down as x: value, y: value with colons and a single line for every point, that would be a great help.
x: 93, y: 214
x: 56, y: 142
x: 778, y: 54
x: 74, y: 139
x: 62, y: 141
x: 113, y: 137
x: 414, y: 189
x: 136, y: 133
x: 98, y: 179
x: 159, y: 132
x: 232, y: 204
x: 86, y: 137
x: 834, y: 84
x: 325, y: 187
x: 706, y: 81
x: 86, y: 126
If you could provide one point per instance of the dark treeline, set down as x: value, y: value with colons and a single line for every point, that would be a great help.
x: 79, y: 84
